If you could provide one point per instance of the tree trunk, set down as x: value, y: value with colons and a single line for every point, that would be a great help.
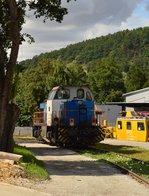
x: 7, y: 143
x: 8, y: 111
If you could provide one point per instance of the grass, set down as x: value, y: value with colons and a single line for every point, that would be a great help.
x: 32, y: 166
x: 130, y: 151
x: 138, y: 167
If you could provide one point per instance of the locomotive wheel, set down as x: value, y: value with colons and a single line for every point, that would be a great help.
x: 52, y: 136
x: 49, y: 137
x: 37, y: 132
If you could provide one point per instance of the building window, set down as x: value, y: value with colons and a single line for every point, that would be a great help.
x: 128, y: 125
x: 119, y: 124
x: 140, y: 126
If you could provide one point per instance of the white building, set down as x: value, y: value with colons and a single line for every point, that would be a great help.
x: 134, y: 101
x: 138, y: 96
x: 137, y: 100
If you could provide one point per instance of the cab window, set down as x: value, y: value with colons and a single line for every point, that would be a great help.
x: 128, y: 125
x: 62, y: 94
x: 119, y: 125
x: 140, y: 126
x: 88, y: 96
x: 80, y: 93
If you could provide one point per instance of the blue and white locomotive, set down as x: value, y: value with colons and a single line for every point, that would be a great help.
x: 68, y: 118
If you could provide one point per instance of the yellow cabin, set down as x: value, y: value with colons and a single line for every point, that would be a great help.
x: 132, y: 127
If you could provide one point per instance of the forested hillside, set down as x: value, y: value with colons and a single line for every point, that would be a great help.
x: 110, y: 65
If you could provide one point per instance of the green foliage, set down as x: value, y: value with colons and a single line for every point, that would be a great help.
x: 107, y: 83
x: 136, y: 78
x: 32, y: 89
x: 69, y: 74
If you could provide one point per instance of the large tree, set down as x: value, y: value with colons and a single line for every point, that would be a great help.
x: 12, y: 18
x: 136, y: 78
x: 106, y: 81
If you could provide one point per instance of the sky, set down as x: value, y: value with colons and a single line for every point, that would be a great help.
x: 86, y: 19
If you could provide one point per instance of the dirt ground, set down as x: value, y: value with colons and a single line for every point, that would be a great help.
x: 12, y: 173
x: 15, y: 175
x: 8, y: 171
x: 71, y: 175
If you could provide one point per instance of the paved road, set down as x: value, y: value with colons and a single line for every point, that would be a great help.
x: 127, y: 143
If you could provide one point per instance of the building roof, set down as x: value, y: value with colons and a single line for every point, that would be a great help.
x: 135, y: 92
x: 128, y: 104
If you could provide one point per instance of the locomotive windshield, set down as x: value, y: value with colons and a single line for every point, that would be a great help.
x: 88, y: 96
x: 80, y: 93
x: 70, y: 93
x: 59, y: 94
x: 62, y: 94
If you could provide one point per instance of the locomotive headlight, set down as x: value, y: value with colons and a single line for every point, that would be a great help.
x: 71, y: 122
x: 80, y: 102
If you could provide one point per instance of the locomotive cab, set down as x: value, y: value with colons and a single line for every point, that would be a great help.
x: 68, y: 118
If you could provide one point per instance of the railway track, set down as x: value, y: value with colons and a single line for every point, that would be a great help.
x: 122, y: 169
x: 130, y: 173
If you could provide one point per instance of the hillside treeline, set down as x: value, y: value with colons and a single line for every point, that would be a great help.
x: 110, y: 65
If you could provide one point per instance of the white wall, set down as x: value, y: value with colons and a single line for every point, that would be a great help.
x: 140, y: 97
x: 23, y: 131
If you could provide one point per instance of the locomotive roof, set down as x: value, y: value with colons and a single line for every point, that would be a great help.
x: 69, y: 86
x: 128, y: 104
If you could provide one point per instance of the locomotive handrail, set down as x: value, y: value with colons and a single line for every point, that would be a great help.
x: 38, y: 117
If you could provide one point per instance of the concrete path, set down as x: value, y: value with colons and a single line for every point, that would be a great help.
x: 10, y: 190
x: 75, y: 175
